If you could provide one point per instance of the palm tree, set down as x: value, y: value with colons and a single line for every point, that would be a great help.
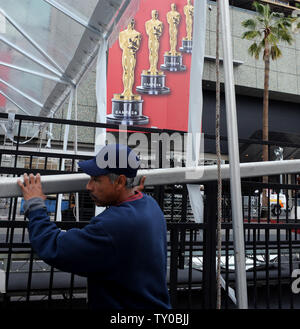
x: 267, y: 29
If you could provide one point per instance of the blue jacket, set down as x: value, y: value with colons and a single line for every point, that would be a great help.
x: 122, y: 252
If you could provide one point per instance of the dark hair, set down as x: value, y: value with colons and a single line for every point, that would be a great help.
x: 129, y: 180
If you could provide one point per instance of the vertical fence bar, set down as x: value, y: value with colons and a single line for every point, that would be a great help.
x: 227, y: 245
x: 50, y: 286
x: 249, y: 214
x: 254, y: 270
x: 57, y: 195
x: 296, y: 202
x: 71, y: 291
x: 191, y: 240
x: 9, y: 218
x: 290, y: 265
x: 172, y: 203
x: 15, y: 201
x: 279, y: 269
x: 173, y: 264
x: 267, y: 231
x: 181, y: 256
x: 287, y: 206
x: 184, y: 203
x: 277, y: 205
x: 209, y: 252
x: 269, y: 208
x: 30, y: 269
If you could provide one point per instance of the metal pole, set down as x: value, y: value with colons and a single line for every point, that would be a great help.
x: 65, y: 147
x: 77, y: 182
x: 233, y: 145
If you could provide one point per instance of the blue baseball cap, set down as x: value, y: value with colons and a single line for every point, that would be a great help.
x: 112, y: 158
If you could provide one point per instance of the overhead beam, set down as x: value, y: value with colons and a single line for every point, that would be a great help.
x: 77, y: 182
x: 31, y: 99
x: 31, y: 41
x: 31, y: 57
x: 86, y: 51
x: 39, y: 74
x: 74, y: 17
x: 15, y: 103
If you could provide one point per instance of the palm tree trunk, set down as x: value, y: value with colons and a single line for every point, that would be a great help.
x: 266, y: 107
x: 265, y: 130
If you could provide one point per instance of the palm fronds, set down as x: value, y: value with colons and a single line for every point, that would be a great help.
x: 267, y: 28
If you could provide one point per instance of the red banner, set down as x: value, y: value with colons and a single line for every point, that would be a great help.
x: 169, y: 111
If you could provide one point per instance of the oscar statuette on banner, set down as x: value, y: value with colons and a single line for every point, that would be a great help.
x: 127, y: 108
x: 172, y: 58
x: 187, y: 42
x: 152, y: 80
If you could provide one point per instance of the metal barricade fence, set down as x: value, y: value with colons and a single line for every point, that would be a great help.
x: 26, y: 280
x: 271, y: 243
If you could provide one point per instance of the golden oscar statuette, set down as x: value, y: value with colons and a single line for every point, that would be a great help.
x: 152, y: 80
x: 127, y: 107
x: 187, y: 42
x: 172, y: 58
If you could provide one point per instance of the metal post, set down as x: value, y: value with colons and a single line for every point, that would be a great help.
x: 279, y: 156
x: 76, y: 152
x: 209, y: 246
x: 65, y: 147
x: 233, y: 145
x: 67, y: 183
x: 174, y: 236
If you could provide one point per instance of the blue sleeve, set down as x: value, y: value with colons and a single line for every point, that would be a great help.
x: 84, y: 251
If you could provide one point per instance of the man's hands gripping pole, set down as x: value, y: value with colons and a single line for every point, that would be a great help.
x: 31, y: 187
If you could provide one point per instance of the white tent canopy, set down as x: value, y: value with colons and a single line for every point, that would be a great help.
x: 46, y: 47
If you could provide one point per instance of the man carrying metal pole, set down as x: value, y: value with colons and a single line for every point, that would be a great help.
x: 233, y: 145
x: 123, y: 250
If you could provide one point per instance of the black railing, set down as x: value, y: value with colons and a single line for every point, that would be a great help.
x: 271, y: 242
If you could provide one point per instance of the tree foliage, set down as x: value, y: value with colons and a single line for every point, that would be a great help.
x: 267, y: 29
